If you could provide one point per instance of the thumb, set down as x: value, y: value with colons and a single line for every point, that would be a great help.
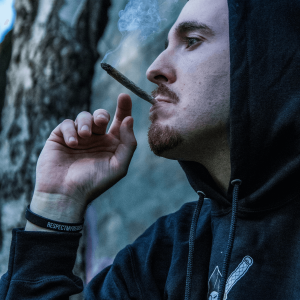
x: 128, y: 142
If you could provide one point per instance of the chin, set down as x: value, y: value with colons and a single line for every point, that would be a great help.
x: 164, y: 140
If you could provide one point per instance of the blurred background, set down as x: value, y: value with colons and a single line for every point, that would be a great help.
x: 50, y: 55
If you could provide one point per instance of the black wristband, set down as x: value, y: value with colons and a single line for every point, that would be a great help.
x: 50, y: 224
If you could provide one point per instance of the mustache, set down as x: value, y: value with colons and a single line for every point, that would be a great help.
x: 165, y: 91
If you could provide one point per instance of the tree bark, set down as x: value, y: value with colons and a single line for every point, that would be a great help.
x: 5, y: 55
x: 54, y: 50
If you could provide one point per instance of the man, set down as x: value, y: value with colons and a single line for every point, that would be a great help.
x: 232, y: 244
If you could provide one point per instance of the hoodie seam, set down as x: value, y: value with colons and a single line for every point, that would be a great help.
x: 76, y: 281
x: 134, y: 271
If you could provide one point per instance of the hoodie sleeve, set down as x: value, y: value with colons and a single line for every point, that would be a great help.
x: 41, y: 267
x: 41, y: 264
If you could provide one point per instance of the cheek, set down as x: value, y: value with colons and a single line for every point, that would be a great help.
x: 210, y: 81
x: 209, y: 90
x: 205, y: 102
x: 204, y: 92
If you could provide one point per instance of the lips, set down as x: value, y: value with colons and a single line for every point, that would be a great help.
x: 160, y: 102
x: 162, y: 99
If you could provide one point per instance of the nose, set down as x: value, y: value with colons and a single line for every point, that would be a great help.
x: 162, y: 70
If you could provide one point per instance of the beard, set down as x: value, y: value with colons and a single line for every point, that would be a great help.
x: 163, y: 138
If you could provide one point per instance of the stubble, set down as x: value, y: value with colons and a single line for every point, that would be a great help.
x: 163, y: 138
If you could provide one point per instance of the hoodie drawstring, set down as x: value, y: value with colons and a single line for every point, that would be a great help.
x: 191, y: 246
x: 236, y: 183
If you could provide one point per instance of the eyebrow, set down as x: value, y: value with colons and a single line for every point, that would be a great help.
x: 186, y: 27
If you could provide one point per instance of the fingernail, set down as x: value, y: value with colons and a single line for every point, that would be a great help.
x: 85, y: 127
x: 100, y: 116
x: 72, y: 139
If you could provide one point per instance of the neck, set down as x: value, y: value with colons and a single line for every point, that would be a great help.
x: 219, y: 168
x: 213, y: 153
x: 215, y: 156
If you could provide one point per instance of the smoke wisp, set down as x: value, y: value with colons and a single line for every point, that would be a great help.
x: 141, y: 15
x: 139, y: 18
x: 139, y: 24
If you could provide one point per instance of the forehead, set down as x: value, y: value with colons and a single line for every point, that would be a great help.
x: 213, y: 13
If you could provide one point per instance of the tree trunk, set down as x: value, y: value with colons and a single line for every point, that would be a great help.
x: 5, y: 55
x: 54, y: 50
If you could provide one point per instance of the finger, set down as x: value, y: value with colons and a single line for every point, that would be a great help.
x: 84, y: 124
x: 123, y: 110
x: 128, y: 143
x: 68, y: 131
x: 101, y: 118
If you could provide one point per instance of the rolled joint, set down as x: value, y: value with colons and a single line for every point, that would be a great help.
x: 114, y: 73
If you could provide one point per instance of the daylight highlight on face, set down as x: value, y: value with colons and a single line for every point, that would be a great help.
x: 193, y: 79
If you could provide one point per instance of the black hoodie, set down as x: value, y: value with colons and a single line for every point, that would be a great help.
x: 245, y: 245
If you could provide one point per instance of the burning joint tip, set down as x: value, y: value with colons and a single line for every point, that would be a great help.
x: 105, y: 66
x: 127, y: 83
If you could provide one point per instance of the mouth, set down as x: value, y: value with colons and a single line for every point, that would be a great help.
x: 161, y: 101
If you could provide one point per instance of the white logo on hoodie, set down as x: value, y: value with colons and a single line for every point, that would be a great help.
x: 235, y: 276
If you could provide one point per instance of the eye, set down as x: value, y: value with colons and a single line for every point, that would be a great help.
x: 191, y: 41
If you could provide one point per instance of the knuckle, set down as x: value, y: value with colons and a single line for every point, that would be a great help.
x: 84, y: 115
x: 66, y: 124
x: 67, y: 121
x: 102, y: 112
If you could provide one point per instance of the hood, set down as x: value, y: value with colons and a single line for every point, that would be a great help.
x: 264, y: 107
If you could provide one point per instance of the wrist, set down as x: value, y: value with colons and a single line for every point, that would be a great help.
x: 57, y: 207
x: 32, y: 227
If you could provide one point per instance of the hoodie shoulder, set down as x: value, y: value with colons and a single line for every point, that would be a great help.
x: 154, y: 266
x: 167, y: 227
x: 159, y: 256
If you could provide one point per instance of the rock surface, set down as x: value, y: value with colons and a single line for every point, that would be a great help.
x: 54, y: 50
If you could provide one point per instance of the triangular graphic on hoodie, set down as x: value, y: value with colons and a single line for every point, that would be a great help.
x: 235, y: 276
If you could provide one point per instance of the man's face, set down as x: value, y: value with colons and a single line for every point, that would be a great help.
x: 193, y: 74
